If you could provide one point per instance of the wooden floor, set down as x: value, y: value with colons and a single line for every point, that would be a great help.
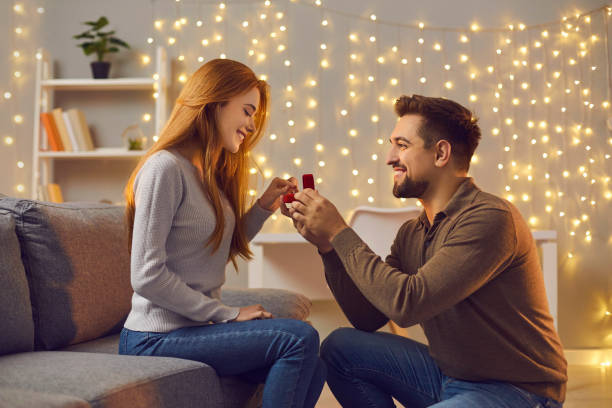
x: 588, y: 386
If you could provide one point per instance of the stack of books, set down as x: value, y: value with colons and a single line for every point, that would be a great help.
x: 50, y: 192
x: 66, y: 131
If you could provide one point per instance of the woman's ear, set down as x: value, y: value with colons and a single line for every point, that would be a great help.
x: 443, y: 150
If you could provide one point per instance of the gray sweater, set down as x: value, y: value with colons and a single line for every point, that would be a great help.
x: 177, y: 279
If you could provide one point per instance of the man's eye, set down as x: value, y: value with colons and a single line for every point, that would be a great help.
x: 402, y: 146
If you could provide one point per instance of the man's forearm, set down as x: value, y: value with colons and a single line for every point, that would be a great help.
x: 358, y: 310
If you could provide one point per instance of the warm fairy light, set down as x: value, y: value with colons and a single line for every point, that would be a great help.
x: 344, y: 151
x: 18, y: 119
x: 146, y: 117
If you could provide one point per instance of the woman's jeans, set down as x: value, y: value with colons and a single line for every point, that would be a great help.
x: 283, y: 353
x: 367, y: 369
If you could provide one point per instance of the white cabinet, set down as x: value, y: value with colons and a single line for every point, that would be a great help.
x: 43, y: 159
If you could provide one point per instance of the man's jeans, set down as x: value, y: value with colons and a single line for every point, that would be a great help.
x: 283, y: 353
x: 367, y: 369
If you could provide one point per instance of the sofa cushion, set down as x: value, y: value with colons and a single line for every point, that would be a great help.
x: 114, y: 381
x: 16, y: 325
x: 281, y: 303
x: 19, y: 398
x: 237, y: 393
x: 77, y: 263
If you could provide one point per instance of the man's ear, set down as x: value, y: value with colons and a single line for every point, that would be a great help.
x: 442, y: 150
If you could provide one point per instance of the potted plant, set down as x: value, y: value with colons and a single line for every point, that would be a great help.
x: 101, y: 43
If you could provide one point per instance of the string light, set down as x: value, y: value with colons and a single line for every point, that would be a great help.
x: 512, y: 63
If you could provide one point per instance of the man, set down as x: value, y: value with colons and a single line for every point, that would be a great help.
x: 466, y: 270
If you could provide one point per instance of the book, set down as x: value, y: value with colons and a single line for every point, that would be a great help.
x: 42, y: 193
x: 80, y: 128
x: 61, y: 128
x: 76, y: 146
x: 55, y: 193
x: 54, y: 141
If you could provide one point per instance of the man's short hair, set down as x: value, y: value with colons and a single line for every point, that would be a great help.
x: 443, y: 119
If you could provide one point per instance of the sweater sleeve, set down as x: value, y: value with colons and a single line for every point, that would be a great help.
x: 254, y: 219
x: 480, y: 246
x: 357, y: 309
x: 158, y: 190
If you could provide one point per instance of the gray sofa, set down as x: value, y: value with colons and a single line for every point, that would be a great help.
x: 64, y: 294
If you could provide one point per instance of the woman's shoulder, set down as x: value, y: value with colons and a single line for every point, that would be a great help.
x: 161, y: 164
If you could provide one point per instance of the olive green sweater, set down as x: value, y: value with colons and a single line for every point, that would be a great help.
x: 472, y: 280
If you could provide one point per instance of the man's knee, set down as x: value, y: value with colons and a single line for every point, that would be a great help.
x: 337, y: 343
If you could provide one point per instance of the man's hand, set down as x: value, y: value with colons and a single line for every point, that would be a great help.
x: 316, y: 219
x: 272, y: 197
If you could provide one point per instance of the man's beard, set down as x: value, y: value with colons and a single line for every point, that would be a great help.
x: 409, y: 188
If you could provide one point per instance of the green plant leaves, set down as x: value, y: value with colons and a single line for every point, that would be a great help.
x: 96, y: 25
x: 100, y: 40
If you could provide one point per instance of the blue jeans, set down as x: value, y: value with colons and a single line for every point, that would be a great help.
x: 367, y: 369
x: 283, y: 353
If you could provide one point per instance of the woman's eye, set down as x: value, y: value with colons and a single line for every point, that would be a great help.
x: 246, y: 112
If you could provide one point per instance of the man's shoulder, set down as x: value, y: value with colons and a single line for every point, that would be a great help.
x: 487, y: 201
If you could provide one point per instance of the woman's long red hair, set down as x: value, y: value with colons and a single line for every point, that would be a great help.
x: 195, y: 116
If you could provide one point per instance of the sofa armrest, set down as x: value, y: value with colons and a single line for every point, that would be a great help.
x: 24, y: 398
x: 281, y: 303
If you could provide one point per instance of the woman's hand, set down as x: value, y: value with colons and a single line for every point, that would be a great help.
x: 271, y: 199
x: 252, y: 312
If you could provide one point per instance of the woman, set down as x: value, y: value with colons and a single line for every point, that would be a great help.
x: 187, y: 217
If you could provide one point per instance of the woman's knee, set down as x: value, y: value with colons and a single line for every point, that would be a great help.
x: 303, y: 331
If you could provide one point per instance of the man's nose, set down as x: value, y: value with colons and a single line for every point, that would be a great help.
x: 392, y: 157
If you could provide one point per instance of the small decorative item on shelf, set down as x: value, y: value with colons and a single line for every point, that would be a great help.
x: 100, y: 43
x: 133, y: 138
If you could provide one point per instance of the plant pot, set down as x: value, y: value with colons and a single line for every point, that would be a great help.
x: 100, y: 69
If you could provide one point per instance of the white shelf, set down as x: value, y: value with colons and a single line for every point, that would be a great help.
x: 86, y: 84
x: 43, y: 159
x: 100, y: 153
